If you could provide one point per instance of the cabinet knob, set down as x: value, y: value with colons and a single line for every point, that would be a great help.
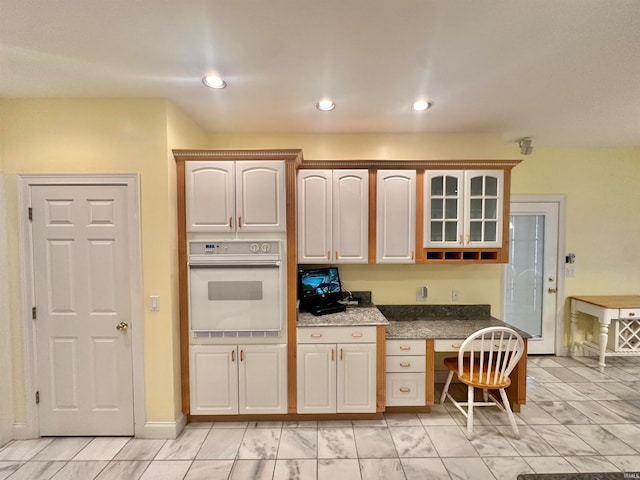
x: 405, y: 390
x: 632, y: 314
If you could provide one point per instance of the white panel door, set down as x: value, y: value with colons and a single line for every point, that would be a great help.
x: 356, y: 378
x: 263, y: 379
x: 351, y: 216
x: 260, y: 196
x: 82, y: 296
x: 213, y: 379
x: 317, y: 378
x: 210, y: 202
x: 396, y: 216
x: 314, y: 216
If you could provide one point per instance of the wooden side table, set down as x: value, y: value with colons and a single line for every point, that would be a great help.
x: 623, y: 311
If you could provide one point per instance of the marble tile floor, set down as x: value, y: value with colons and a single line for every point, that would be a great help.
x: 576, y: 420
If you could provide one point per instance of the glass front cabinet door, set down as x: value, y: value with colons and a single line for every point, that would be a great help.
x: 463, y: 209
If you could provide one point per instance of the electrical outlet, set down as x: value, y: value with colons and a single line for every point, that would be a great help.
x: 455, y: 295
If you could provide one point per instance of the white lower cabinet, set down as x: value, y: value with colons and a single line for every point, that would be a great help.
x: 238, y: 379
x: 405, y: 372
x: 337, y: 377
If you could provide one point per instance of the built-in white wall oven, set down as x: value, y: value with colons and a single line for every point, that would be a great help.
x: 236, y: 288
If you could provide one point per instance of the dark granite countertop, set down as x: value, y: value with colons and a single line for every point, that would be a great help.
x: 412, y: 321
x: 354, y: 315
x: 443, y: 328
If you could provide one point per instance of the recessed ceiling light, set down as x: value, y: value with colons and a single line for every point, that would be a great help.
x: 325, y: 105
x: 213, y: 81
x: 421, y: 105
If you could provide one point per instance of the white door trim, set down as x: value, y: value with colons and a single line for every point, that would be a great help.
x: 6, y: 373
x: 132, y: 183
x: 562, y: 347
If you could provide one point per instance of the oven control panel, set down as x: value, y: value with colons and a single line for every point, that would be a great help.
x: 239, y: 247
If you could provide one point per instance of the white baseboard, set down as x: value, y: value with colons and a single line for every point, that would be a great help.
x: 22, y: 432
x: 165, y: 430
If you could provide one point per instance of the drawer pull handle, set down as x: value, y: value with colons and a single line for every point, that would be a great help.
x: 356, y: 335
x: 456, y: 345
x: 405, y: 364
x: 405, y: 347
x: 405, y: 390
x: 632, y: 314
x: 333, y: 354
x: 316, y: 335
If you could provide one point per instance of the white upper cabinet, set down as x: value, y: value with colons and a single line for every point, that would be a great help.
x: 333, y: 221
x: 463, y: 208
x: 396, y: 216
x: 225, y: 196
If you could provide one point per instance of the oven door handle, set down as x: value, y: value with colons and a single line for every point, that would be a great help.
x: 234, y: 263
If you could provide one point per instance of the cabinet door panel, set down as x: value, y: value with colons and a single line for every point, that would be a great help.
x: 316, y: 378
x: 260, y: 196
x: 443, y: 223
x: 314, y: 216
x: 350, y: 216
x: 484, y: 191
x: 356, y: 382
x: 213, y: 380
x: 396, y: 216
x: 210, y: 199
x: 263, y: 379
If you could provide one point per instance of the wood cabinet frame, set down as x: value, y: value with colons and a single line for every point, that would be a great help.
x: 294, y: 161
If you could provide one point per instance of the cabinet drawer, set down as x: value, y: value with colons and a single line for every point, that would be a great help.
x: 337, y: 334
x: 630, y: 313
x: 405, y: 389
x: 454, y: 345
x: 406, y: 347
x: 405, y: 363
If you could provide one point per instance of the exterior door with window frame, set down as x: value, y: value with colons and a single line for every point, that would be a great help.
x: 531, y: 279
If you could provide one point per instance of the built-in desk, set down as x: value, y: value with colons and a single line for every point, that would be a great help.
x: 446, y: 335
x: 620, y: 311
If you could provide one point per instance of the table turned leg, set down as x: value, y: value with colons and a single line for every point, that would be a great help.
x: 604, y: 336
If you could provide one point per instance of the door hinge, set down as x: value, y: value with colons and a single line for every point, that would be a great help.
x: 33, y: 313
x: 37, y: 397
x: 30, y: 213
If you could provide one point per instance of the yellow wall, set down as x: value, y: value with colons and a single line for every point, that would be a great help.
x: 106, y: 136
x: 602, y: 187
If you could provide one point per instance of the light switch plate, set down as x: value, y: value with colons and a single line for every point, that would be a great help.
x: 154, y: 303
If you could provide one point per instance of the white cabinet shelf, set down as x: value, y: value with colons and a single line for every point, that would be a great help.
x: 238, y: 379
x: 336, y: 377
x: 405, y: 373
x: 333, y: 209
x: 464, y: 209
x: 396, y: 216
x: 244, y: 196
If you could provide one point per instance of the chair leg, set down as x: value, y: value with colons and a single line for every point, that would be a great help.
x: 446, y: 387
x: 485, y: 394
x: 507, y: 407
x: 470, y: 394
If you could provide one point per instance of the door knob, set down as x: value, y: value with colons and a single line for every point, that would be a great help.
x: 553, y: 290
x: 122, y: 326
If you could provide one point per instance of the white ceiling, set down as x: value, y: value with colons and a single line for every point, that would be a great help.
x: 565, y: 72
